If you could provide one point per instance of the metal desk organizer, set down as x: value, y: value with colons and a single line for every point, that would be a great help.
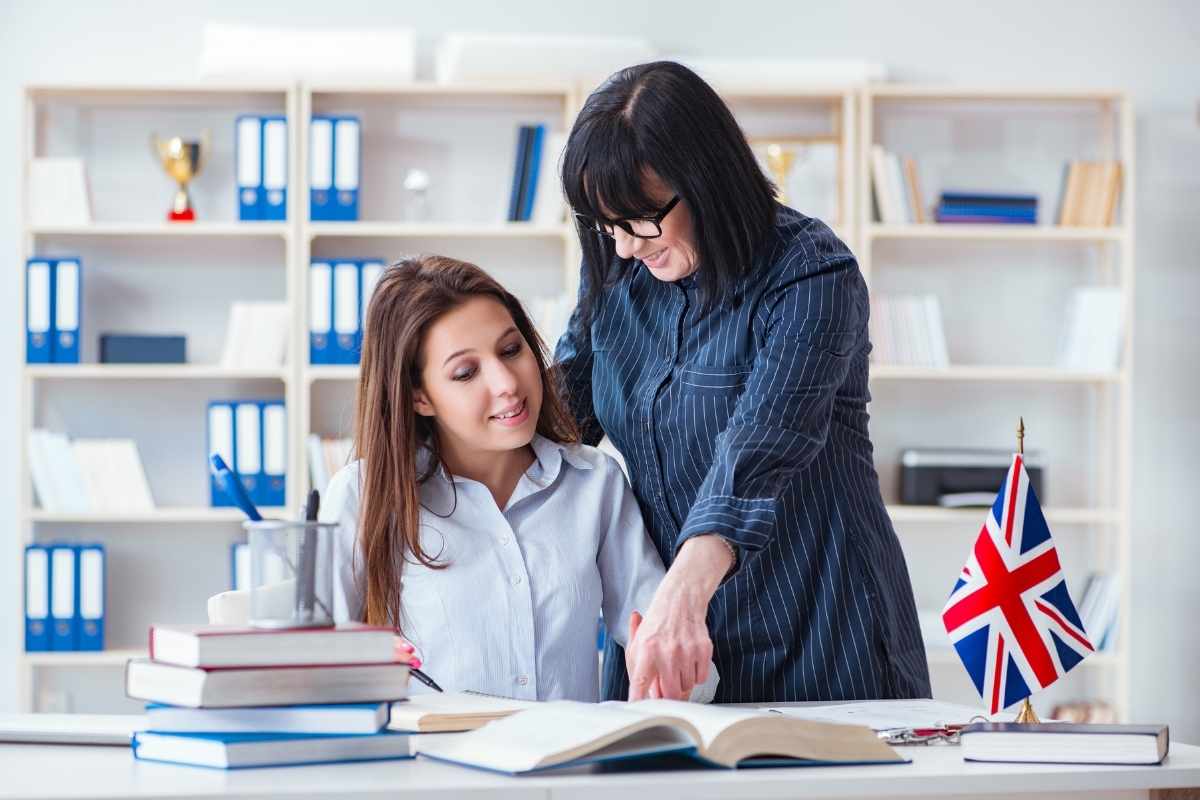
x: 291, y: 573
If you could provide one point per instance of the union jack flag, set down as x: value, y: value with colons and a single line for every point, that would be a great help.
x: 1009, y: 615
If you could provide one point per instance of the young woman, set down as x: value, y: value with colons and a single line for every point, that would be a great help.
x: 472, y: 520
x: 721, y: 343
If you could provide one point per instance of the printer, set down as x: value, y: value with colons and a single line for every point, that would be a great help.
x: 959, y: 477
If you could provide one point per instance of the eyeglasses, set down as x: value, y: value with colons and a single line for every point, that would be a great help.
x: 638, y: 227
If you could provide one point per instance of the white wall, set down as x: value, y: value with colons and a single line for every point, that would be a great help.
x: 1153, y: 52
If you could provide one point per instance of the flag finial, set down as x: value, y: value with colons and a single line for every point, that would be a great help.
x: 1021, y: 435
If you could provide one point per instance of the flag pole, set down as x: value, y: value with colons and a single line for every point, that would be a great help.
x: 1026, y: 716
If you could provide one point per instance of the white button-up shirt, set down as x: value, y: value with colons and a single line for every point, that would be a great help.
x: 515, y: 611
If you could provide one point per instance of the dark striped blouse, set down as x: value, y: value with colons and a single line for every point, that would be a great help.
x: 751, y: 422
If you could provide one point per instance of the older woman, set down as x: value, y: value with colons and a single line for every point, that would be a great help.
x: 720, y: 341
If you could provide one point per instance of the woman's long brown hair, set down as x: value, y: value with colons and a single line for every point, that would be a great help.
x: 411, y: 295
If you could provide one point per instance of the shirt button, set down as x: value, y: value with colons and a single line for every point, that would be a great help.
x: 516, y: 581
x: 503, y: 540
x: 522, y: 679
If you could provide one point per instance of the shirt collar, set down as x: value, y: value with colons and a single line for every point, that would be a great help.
x: 549, y: 457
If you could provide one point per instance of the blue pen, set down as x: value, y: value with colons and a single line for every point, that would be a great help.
x: 230, y: 484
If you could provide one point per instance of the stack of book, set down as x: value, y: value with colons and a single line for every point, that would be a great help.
x: 1090, y: 193
x: 326, y: 457
x: 984, y: 208
x: 230, y: 697
x: 907, y: 330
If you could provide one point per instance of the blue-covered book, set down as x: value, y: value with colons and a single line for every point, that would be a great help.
x: 336, y: 718
x: 568, y: 734
x: 240, y: 750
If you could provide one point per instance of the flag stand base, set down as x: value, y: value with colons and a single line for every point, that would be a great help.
x: 1027, y: 716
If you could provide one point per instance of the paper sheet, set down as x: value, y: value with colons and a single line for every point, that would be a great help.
x: 886, y: 714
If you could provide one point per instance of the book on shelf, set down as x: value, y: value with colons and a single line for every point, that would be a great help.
x: 1092, y: 330
x: 326, y: 457
x: 238, y: 750
x: 898, y: 198
x: 209, y: 646
x: 256, y: 336
x: 335, y: 718
x: 1065, y: 743
x: 224, y: 687
x: 87, y: 475
x: 1099, y: 610
x: 987, y: 208
x: 907, y: 330
x: 445, y: 712
x: 566, y: 733
x: 1091, y: 192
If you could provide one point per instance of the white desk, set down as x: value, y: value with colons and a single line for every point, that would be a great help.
x: 43, y: 771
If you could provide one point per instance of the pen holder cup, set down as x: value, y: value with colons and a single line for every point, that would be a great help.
x: 291, y: 573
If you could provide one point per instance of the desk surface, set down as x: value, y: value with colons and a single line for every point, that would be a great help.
x: 44, y: 771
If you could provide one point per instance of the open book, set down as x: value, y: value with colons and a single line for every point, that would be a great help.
x: 566, y: 733
x: 452, y: 711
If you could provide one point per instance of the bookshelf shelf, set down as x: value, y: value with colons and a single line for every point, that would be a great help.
x: 892, y: 372
x: 182, y: 515
x: 1007, y: 233
x: 1091, y: 125
x: 97, y: 658
x: 973, y: 516
x: 166, y: 230
x: 151, y: 372
x: 437, y: 230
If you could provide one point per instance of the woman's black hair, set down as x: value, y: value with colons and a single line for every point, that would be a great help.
x: 664, y: 118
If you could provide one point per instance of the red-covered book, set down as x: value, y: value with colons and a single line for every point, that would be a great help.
x: 232, y: 646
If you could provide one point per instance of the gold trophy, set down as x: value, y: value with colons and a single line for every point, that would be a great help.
x: 780, y: 160
x: 182, y: 159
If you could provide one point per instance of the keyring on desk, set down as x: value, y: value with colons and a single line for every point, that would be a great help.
x: 940, y: 733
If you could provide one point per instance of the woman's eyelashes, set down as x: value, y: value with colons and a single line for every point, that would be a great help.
x: 466, y: 372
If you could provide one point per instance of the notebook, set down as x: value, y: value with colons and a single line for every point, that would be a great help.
x: 567, y: 734
x: 1066, y: 743
x: 452, y: 711
x: 114, y: 729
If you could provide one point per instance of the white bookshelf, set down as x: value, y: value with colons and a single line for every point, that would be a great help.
x: 1079, y: 420
x: 460, y: 132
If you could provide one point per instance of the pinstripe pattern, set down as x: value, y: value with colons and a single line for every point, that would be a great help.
x: 751, y: 422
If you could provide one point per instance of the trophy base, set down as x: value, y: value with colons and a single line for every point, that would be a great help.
x: 188, y: 215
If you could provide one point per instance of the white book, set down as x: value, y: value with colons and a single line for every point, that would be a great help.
x: 901, y: 189
x: 42, y: 472
x: 918, y: 330
x: 211, y: 646
x: 940, y: 356
x: 900, y: 331
x: 888, y: 213
x: 58, y: 192
x: 256, y: 336
x: 113, y: 476
x: 318, y: 473
x: 549, y: 205
x: 344, y: 718
x: 452, y: 711
x: 66, y: 477
x: 1093, y: 331
x: 876, y: 330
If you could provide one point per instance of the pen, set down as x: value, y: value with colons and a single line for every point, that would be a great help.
x: 308, y: 560
x: 423, y: 678
x: 232, y: 486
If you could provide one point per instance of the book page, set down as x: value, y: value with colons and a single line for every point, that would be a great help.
x: 548, y: 734
x: 406, y: 714
x: 709, y: 720
x: 887, y: 714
